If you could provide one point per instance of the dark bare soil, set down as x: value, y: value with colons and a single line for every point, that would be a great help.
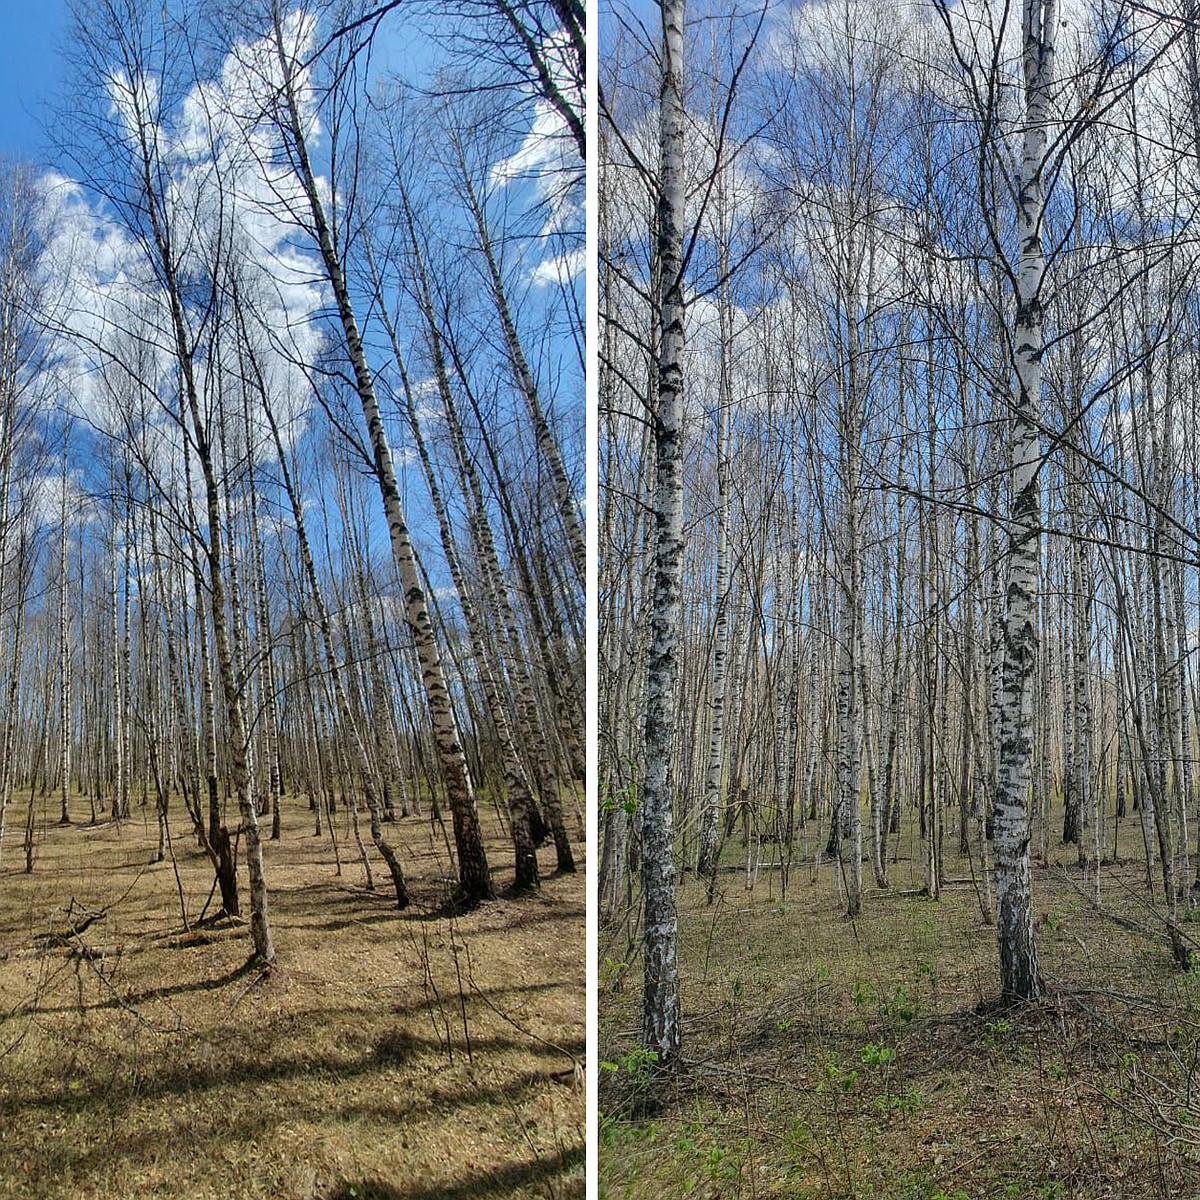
x: 390, y: 1055
x: 829, y: 1059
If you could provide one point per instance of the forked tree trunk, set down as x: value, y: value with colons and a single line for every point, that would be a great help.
x: 366, y: 774
x: 525, y: 822
x: 260, y: 927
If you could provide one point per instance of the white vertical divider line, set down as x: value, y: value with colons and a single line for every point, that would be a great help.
x: 591, y: 508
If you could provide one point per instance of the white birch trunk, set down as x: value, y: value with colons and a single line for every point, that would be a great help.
x: 660, y: 994
x: 1020, y: 976
x: 706, y: 866
x: 475, y: 882
x: 64, y: 657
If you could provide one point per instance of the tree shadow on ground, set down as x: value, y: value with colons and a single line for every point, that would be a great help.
x: 524, y: 910
x: 248, y: 1063
x: 211, y: 1133
x: 129, y: 1000
x: 503, y: 1182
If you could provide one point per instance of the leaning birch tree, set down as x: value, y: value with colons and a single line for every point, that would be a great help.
x: 474, y: 878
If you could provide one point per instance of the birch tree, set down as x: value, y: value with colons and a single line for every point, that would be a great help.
x: 660, y: 1002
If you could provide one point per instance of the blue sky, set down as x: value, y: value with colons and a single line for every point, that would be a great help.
x: 31, y: 36
x: 33, y: 76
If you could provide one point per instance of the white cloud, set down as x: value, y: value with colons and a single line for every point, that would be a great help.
x: 560, y: 268
x: 231, y: 198
x: 548, y: 156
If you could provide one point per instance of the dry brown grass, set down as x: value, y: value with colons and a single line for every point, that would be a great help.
x: 826, y: 1059
x: 389, y: 1055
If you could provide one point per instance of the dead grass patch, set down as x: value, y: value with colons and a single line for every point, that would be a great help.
x: 391, y: 1054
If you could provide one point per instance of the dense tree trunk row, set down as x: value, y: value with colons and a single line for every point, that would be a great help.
x: 939, y: 465
x: 221, y: 585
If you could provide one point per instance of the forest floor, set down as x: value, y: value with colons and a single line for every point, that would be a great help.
x: 825, y: 1058
x: 390, y: 1056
